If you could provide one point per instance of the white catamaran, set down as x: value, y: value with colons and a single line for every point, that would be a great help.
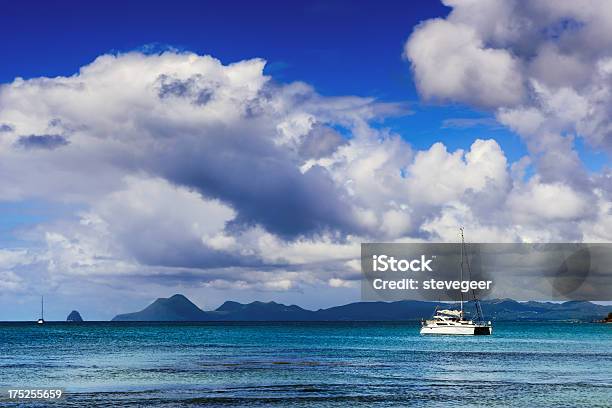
x: 447, y: 321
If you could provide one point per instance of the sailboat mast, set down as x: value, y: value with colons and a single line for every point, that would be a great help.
x: 462, y: 243
x: 42, y: 310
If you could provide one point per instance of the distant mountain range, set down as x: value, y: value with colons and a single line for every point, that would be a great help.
x: 179, y: 308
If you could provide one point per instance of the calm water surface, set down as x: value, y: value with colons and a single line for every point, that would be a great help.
x: 309, y: 364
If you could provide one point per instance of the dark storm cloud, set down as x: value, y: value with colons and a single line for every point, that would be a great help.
x: 260, y: 181
x: 188, y: 253
x: 243, y: 167
x: 48, y: 142
x: 5, y: 127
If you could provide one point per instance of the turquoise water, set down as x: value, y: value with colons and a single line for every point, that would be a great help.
x: 310, y: 364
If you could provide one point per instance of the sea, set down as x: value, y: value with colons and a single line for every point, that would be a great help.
x: 306, y: 364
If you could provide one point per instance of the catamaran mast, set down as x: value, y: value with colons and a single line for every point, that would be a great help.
x: 479, y: 316
x: 462, y: 244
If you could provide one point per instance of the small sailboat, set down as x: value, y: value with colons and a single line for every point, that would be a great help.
x: 445, y: 321
x: 41, y: 320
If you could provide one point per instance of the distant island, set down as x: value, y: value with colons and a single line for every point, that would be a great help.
x: 74, y: 316
x: 178, y: 308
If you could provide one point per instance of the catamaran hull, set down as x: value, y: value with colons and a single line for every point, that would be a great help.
x: 458, y: 330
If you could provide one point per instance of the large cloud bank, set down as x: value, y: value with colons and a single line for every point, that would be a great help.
x: 543, y: 67
x: 183, y: 169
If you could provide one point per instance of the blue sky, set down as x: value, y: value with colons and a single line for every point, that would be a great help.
x: 342, y: 49
x: 339, y: 47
